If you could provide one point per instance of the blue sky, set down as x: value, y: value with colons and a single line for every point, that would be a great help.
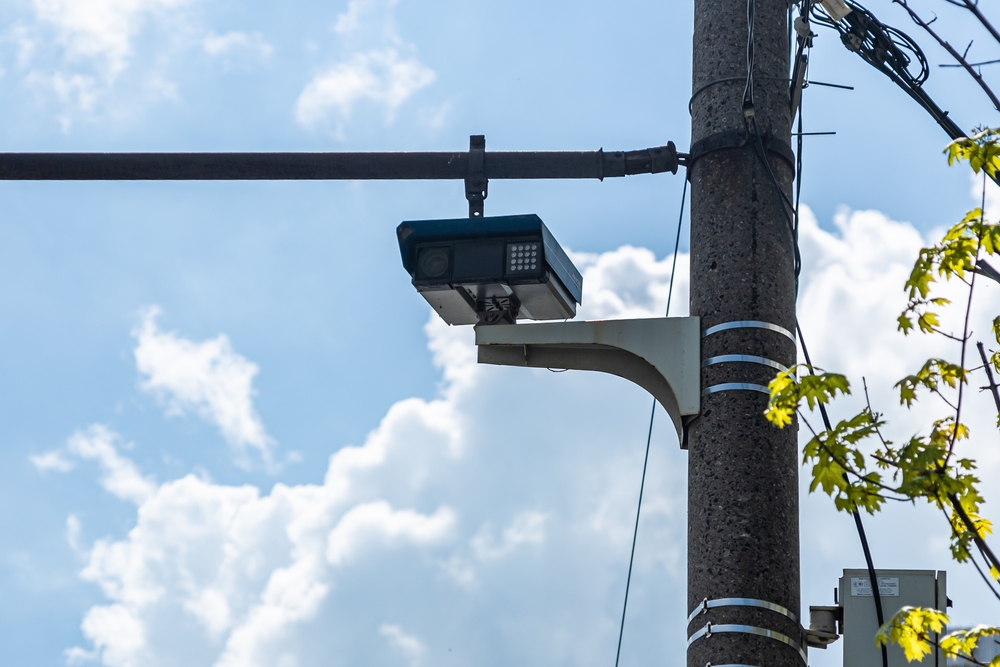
x: 182, y: 360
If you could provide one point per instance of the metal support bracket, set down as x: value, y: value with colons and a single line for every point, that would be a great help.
x: 661, y: 355
x: 476, y: 184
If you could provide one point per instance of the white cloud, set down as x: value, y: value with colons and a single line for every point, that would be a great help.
x: 51, y: 461
x: 409, y: 645
x: 120, y: 477
x: 851, y: 294
x: 236, y: 41
x: 378, y: 522
x: 381, y: 76
x: 100, y: 29
x: 73, y: 528
x: 118, y: 636
x: 376, y: 71
x: 90, y: 59
x: 401, y: 525
x: 208, y: 378
x: 369, y: 15
x: 254, y: 572
x: 992, y: 202
x: 525, y: 528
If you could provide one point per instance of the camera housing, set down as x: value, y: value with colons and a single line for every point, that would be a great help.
x: 490, y: 270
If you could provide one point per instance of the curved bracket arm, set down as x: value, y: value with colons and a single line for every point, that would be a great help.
x: 661, y: 355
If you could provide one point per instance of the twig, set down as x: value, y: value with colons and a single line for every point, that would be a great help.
x: 868, y: 401
x: 984, y: 548
x: 947, y: 402
x: 989, y: 374
x: 979, y: 64
x: 965, y: 336
x: 951, y: 50
x: 974, y: 8
x: 954, y: 533
x: 848, y: 469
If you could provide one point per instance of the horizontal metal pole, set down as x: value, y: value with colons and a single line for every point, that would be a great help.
x: 330, y: 166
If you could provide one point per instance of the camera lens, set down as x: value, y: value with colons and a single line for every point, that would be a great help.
x: 433, y: 262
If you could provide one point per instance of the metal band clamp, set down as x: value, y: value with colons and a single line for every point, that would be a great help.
x: 735, y: 386
x: 707, y: 604
x: 710, y: 630
x: 742, y: 358
x: 748, y: 324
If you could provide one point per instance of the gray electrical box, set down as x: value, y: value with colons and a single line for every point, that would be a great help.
x: 898, y: 589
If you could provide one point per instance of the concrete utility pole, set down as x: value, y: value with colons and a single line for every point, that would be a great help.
x: 743, y: 532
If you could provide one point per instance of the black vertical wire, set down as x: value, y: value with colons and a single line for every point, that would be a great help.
x: 869, y: 562
x: 649, y: 435
x: 872, y: 577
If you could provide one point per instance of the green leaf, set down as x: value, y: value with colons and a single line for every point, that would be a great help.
x: 911, y: 629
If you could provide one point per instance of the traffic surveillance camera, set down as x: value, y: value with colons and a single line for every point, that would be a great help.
x: 490, y: 270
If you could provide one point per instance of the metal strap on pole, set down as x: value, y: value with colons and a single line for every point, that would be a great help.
x: 735, y: 386
x: 711, y: 629
x: 743, y: 358
x: 707, y: 604
x: 748, y: 324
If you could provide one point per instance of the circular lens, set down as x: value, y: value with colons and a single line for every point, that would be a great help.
x: 433, y: 262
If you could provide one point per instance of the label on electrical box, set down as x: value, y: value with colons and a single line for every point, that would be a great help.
x: 888, y: 587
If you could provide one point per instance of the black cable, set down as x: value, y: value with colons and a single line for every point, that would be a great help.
x: 872, y: 577
x: 649, y: 434
x: 891, y: 52
x: 798, y: 187
x: 750, y: 124
x: 753, y: 134
x: 869, y: 562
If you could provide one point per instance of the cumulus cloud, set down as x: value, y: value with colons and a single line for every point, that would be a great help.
x: 454, y: 490
x: 245, y: 575
x: 207, y: 378
x: 243, y: 567
x: 376, y: 71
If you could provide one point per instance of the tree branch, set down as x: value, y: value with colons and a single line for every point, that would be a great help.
x: 974, y: 8
x: 971, y: 527
x: 989, y: 375
x: 951, y: 50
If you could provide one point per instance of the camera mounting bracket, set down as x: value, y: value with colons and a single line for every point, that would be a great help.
x: 662, y: 355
